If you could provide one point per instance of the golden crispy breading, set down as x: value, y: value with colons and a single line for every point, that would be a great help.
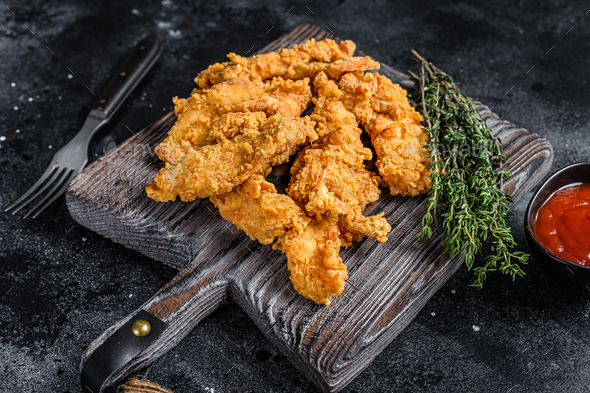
x: 289, y: 98
x: 248, y: 118
x: 304, y: 60
x: 329, y: 179
x: 325, y: 183
x: 317, y: 271
x: 255, y: 207
x: 304, y: 70
x: 354, y: 224
x: 216, y: 169
x: 232, y: 124
x: 385, y: 112
x: 352, y: 64
x: 198, y: 115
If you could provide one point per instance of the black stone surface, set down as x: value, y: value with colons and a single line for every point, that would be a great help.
x: 61, y: 285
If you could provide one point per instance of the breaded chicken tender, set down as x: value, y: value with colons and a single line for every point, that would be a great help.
x: 301, y: 61
x: 354, y: 224
x: 382, y: 107
x: 256, y: 208
x: 216, y: 169
x: 338, y: 68
x: 329, y: 179
x: 326, y: 184
x: 198, y: 116
x: 317, y: 271
x: 247, y: 117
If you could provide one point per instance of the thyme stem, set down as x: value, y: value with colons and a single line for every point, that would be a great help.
x: 463, y: 158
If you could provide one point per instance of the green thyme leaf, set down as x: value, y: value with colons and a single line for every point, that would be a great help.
x: 466, y: 177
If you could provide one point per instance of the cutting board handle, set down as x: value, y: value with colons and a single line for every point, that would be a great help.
x: 171, y: 314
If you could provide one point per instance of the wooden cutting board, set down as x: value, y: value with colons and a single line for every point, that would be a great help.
x: 389, y: 283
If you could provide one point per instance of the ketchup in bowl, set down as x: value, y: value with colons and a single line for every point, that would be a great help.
x: 563, y: 224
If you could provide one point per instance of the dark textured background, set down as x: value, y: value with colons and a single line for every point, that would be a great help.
x: 61, y: 285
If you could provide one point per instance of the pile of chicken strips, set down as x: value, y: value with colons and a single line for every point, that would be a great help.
x: 247, y: 117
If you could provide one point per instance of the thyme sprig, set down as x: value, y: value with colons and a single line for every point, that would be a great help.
x: 463, y: 159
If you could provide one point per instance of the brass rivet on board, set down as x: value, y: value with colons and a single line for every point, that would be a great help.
x: 141, y: 328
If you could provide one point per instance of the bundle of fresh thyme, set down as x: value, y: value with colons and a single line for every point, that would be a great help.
x: 463, y: 154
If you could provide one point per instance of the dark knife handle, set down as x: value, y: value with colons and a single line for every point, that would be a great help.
x: 127, y: 77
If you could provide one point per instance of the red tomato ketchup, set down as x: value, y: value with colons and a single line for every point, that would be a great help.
x: 563, y: 224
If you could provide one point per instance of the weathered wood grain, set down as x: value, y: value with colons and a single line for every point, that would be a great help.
x: 388, y: 285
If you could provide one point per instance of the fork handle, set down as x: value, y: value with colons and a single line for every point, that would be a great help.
x: 127, y: 77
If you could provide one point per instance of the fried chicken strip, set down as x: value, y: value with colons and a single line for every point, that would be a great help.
x: 317, y: 271
x: 312, y: 248
x: 199, y: 115
x: 301, y: 61
x: 325, y: 182
x: 196, y: 114
x: 247, y: 119
x: 354, y: 225
x: 216, y: 169
x: 397, y: 136
x: 330, y: 179
x: 256, y: 208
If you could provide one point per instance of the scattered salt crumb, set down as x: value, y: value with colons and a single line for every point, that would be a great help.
x: 131, y: 295
x: 16, y: 108
x: 2, y: 138
x: 453, y: 292
x: 37, y: 97
x: 50, y: 146
x: 70, y: 76
x: 150, y: 105
x: 174, y: 33
x: 476, y: 328
x: 17, y: 131
x: 143, y: 98
x: 433, y: 313
x: 520, y: 31
x: 13, y: 84
x: 30, y: 99
x: 84, y: 239
x: 163, y: 25
x: 210, y: 390
x: 166, y: 3
x: 135, y: 12
x: 59, y: 98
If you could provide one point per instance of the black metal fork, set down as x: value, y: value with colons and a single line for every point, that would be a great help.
x: 70, y: 159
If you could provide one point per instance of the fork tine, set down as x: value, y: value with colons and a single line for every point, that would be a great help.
x: 52, y: 179
x: 46, y: 174
x: 59, y: 186
x: 52, y: 182
x: 59, y: 193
